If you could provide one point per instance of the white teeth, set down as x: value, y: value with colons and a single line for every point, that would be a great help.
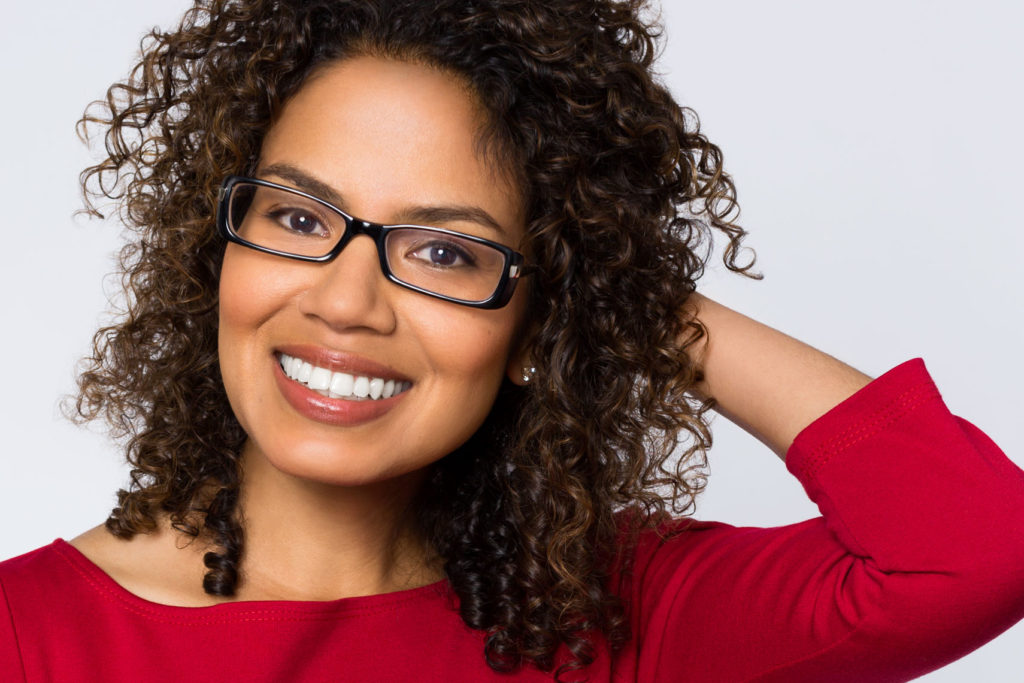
x: 340, y: 384
x: 376, y: 387
x: 319, y: 379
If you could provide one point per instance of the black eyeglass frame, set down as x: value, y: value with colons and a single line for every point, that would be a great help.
x: 513, y: 270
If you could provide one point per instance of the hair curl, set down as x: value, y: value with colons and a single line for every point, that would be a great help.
x: 622, y: 192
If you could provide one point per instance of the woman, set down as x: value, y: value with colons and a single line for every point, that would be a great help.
x: 371, y: 459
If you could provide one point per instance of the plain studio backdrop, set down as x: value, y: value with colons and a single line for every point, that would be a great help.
x: 877, y: 150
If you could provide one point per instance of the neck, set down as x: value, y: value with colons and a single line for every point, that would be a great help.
x: 306, y: 540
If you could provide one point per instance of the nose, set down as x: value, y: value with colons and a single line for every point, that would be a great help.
x: 351, y: 292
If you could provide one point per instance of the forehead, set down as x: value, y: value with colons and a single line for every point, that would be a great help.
x: 385, y: 132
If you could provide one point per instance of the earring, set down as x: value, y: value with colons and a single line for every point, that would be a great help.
x: 528, y: 374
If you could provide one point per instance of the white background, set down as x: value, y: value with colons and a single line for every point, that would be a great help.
x: 877, y: 147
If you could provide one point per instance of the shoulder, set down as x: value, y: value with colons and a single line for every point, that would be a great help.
x: 96, y: 557
x: 35, y: 568
x: 661, y: 537
x: 31, y: 586
x: 160, y: 566
x: 658, y: 529
x: 45, y: 581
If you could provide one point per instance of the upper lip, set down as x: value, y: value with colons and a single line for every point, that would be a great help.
x: 341, y: 361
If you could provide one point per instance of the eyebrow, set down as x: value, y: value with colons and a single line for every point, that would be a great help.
x: 415, y: 214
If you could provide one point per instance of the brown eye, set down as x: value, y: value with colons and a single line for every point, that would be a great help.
x: 299, y: 221
x: 442, y: 255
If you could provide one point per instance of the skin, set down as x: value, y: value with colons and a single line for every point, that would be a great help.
x: 768, y: 383
x: 325, y: 507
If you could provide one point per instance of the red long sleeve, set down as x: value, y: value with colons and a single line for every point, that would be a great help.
x: 918, y: 558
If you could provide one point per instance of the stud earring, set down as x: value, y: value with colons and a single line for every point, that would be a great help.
x: 528, y: 373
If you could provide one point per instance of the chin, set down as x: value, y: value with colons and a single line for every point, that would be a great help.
x: 328, y: 464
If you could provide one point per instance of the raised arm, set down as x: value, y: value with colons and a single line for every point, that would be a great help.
x: 768, y: 383
x: 915, y: 561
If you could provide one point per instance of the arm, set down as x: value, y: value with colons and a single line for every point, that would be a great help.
x: 914, y: 562
x: 768, y: 383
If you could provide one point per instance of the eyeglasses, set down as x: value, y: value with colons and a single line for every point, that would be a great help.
x: 449, y: 265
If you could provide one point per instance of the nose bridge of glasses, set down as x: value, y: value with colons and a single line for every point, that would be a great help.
x: 355, y: 227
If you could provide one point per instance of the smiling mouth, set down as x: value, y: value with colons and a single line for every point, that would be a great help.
x: 341, y: 385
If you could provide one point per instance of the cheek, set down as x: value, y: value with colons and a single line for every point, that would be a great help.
x: 469, y: 366
x: 234, y: 312
x: 231, y: 303
x: 472, y: 347
x: 253, y: 288
x: 238, y: 308
x: 249, y: 295
x: 465, y: 352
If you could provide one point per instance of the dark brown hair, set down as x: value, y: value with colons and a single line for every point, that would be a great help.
x: 622, y: 192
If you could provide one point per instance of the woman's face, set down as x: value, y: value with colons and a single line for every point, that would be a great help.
x: 392, y: 141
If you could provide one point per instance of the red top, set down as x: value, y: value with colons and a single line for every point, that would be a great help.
x: 915, y: 562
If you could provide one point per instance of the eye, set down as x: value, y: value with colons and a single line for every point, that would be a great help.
x: 442, y: 254
x: 297, y: 220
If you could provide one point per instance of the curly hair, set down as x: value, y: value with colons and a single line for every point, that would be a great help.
x: 622, y: 193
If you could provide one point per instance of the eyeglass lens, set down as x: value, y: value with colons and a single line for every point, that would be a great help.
x: 430, y: 259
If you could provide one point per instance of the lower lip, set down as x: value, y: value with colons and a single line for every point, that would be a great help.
x: 332, y: 411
